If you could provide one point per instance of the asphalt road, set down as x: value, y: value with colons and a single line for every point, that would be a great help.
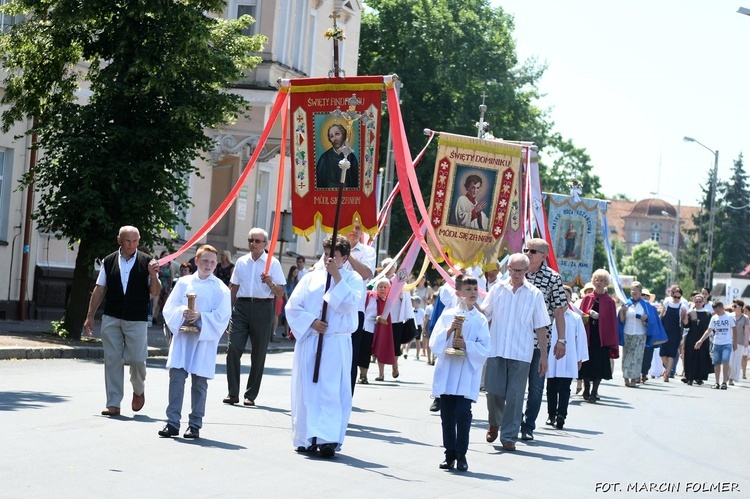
x: 663, y: 436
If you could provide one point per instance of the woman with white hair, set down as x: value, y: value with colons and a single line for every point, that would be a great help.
x: 602, y: 336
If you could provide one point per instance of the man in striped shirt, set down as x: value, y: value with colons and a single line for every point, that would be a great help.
x: 517, y: 314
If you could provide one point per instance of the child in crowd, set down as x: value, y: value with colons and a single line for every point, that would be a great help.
x: 457, y: 377
x: 560, y: 372
x: 416, y: 303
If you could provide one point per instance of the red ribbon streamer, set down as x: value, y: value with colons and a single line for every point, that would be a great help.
x: 279, y: 185
x: 281, y: 99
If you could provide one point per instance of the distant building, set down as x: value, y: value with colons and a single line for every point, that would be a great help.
x: 635, y: 222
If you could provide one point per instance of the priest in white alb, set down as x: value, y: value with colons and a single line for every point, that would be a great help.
x: 320, y: 411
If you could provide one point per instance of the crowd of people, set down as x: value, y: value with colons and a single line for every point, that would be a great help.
x: 506, y: 337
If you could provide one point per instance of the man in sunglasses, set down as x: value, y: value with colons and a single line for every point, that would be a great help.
x: 253, y: 291
x: 550, y: 284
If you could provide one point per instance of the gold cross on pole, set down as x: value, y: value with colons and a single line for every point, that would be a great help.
x: 336, y: 34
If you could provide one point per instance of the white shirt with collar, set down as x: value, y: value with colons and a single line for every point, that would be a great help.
x: 125, y: 265
x: 513, y: 318
x: 247, y: 273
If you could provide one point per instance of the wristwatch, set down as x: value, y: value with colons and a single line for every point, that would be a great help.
x: 563, y: 341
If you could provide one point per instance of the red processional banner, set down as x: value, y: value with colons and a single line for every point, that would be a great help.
x: 327, y: 115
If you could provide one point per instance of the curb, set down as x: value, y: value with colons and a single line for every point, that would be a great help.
x: 66, y: 352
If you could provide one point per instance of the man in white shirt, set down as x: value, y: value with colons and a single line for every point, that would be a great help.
x: 253, y: 291
x: 517, y: 313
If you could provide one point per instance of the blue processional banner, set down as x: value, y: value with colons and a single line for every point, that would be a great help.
x: 573, y: 227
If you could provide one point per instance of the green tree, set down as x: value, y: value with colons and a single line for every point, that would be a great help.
x: 735, y: 227
x: 693, y: 259
x: 157, y: 72
x: 448, y: 53
x: 621, y: 197
x: 619, y: 250
x: 650, y: 265
x: 567, y: 163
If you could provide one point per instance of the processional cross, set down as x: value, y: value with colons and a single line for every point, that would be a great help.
x: 350, y: 116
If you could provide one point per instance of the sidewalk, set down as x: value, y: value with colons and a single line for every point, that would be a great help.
x: 32, y: 340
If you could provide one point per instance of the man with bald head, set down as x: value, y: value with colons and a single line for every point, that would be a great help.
x: 128, y: 279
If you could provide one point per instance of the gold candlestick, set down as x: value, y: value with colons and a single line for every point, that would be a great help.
x: 189, y: 327
x: 457, y: 335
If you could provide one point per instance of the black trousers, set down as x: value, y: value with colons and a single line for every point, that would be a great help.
x: 356, y: 345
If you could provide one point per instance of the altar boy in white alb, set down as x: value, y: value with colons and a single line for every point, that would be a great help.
x: 560, y: 372
x: 194, y: 353
x: 457, y: 377
x: 320, y: 411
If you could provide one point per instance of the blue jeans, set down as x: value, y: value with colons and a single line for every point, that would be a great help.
x: 455, y: 413
x: 534, y: 399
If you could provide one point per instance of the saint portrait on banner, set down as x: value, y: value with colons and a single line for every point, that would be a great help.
x: 470, y: 200
x: 327, y: 170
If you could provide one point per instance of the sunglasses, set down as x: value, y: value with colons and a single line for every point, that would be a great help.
x: 532, y: 251
x: 256, y: 241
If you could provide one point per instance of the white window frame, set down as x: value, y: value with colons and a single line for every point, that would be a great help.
x: 6, y: 174
x: 283, y: 31
x: 7, y: 21
x: 262, y: 205
x: 234, y: 13
x: 300, y: 35
x: 311, y: 48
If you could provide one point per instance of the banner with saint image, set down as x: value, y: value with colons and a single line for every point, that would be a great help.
x: 476, y: 199
x: 573, y: 228
x: 333, y: 119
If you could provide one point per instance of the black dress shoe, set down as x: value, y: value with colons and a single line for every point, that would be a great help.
x: 328, y: 450
x: 559, y: 422
x: 231, y: 399
x: 550, y: 421
x: 448, y: 464
x: 192, y: 432
x: 303, y: 449
x: 435, y: 407
x: 462, y: 465
x: 169, y: 431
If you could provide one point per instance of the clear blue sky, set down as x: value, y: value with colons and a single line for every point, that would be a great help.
x: 627, y: 80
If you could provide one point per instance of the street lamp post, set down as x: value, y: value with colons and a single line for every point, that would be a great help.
x: 675, y: 234
x: 712, y: 214
x: 675, y: 240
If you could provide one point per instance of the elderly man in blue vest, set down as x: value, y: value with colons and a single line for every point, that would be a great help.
x: 128, y: 279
